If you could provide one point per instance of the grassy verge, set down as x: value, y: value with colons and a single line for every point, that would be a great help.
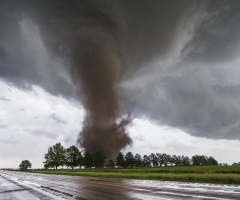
x: 206, y: 174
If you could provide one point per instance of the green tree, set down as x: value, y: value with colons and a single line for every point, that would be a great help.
x: 129, y: 158
x: 120, y: 160
x: 110, y: 163
x: 80, y: 160
x: 199, y: 160
x: 138, y: 160
x: 25, y: 164
x: 99, y: 158
x: 165, y: 159
x: 160, y: 159
x: 195, y: 160
x: 154, y: 160
x: 55, y: 156
x: 186, y: 161
x: 204, y: 160
x: 88, y: 160
x: 212, y: 161
x: 72, y: 157
x: 171, y: 161
x: 47, y: 165
x: 146, y: 161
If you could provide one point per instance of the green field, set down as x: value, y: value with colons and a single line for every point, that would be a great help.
x: 206, y: 174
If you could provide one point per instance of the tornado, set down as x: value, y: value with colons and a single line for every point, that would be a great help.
x: 96, y: 73
x: 86, y: 35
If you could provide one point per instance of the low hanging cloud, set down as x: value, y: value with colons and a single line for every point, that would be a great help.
x: 42, y: 132
x: 58, y: 119
x: 3, y: 98
x: 2, y: 126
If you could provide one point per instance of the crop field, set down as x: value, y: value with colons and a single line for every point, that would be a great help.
x: 200, y: 174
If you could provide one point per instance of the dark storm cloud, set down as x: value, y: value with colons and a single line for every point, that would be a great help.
x: 71, y: 42
x: 58, y: 119
x: 176, y: 61
x: 23, y: 59
x: 200, y: 93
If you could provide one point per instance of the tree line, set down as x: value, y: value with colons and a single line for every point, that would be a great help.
x: 162, y: 159
x: 71, y: 157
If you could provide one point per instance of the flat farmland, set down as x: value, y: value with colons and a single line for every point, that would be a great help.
x: 197, y: 174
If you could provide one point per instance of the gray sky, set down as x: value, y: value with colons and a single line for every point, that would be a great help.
x: 179, y: 75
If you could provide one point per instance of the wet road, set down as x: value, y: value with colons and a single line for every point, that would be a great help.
x: 17, y: 185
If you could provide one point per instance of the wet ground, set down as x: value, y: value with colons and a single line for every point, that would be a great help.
x: 17, y: 185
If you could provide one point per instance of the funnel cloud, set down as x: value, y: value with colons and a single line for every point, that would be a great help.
x: 88, y: 42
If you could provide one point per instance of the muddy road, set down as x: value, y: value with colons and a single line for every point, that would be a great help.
x: 17, y: 185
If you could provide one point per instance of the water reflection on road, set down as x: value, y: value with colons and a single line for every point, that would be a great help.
x: 17, y: 185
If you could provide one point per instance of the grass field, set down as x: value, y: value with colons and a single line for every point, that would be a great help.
x: 206, y: 174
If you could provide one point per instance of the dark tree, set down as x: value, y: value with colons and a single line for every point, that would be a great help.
x: 212, y: 161
x: 169, y: 159
x: 146, y: 161
x: 235, y: 163
x: 203, y: 160
x: 154, y: 160
x: 129, y: 158
x: 200, y: 160
x: 55, y: 156
x: 80, y: 160
x: 160, y: 159
x: 110, y: 163
x: 73, y: 157
x: 138, y: 160
x: 165, y: 159
x: 88, y: 160
x: 186, y: 161
x: 196, y: 160
x: 25, y: 164
x: 225, y: 164
x: 47, y: 166
x: 120, y: 160
x: 172, y: 161
x: 179, y: 159
x: 99, y: 158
